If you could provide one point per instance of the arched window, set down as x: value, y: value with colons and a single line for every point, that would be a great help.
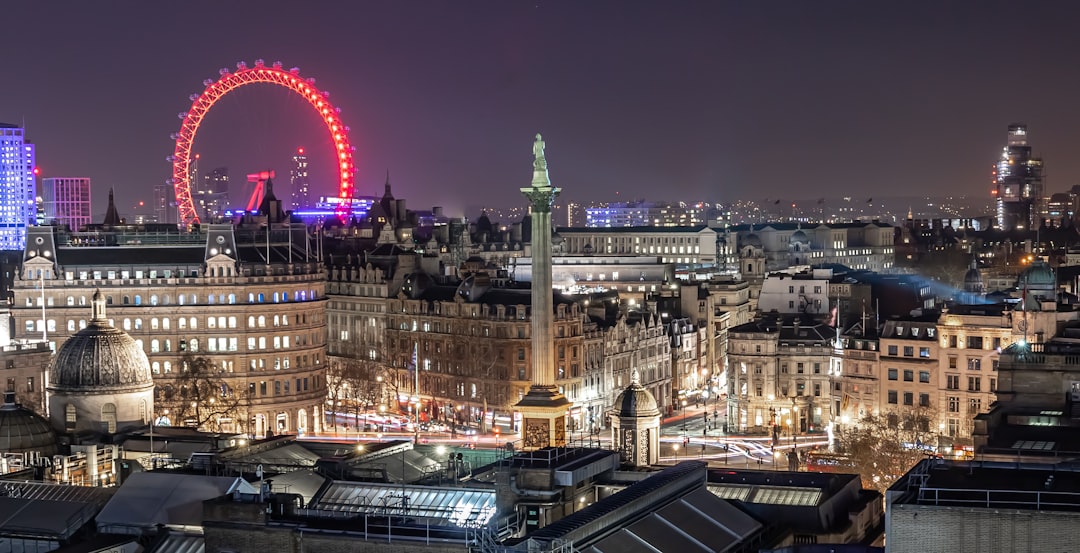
x: 138, y: 299
x: 165, y: 323
x: 155, y: 367
x: 153, y: 299
x: 221, y: 322
x: 284, y: 296
x: 70, y: 416
x: 108, y: 416
x: 251, y: 321
x: 211, y: 323
x: 232, y: 299
x: 181, y: 323
x: 193, y: 323
x: 71, y: 325
x: 260, y: 297
x: 262, y: 321
x: 153, y: 323
x: 138, y: 324
x: 127, y: 324
x: 168, y: 344
x: 155, y: 346
x: 277, y: 297
x: 180, y: 298
x: 193, y: 345
x: 210, y: 299
x: 127, y: 300
x: 167, y: 367
x: 251, y: 297
x: 232, y: 322
x: 194, y: 299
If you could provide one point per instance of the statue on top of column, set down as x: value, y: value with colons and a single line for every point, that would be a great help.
x: 538, y: 152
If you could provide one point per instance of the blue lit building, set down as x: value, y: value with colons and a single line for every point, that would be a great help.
x: 647, y: 214
x: 17, y: 187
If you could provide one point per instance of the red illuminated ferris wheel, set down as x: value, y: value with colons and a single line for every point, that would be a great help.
x: 244, y: 75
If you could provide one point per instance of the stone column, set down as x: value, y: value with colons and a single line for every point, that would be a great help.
x: 543, y: 409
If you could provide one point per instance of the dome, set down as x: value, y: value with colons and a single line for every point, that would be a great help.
x: 973, y: 276
x: 636, y: 401
x: 100, y: 356
x: 1038, y: 276
x: 416, y: 283
x: 800, y: 236
x: 22, y: 430
x: 752, y: 239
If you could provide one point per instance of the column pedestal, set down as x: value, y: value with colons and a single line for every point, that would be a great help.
x: 543, y: 418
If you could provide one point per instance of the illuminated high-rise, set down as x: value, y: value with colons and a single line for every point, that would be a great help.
x: 213, y: 196
x: 17, y: 187
x: 301, y: 193
x: 1018, y: 180
x: 66, y: 201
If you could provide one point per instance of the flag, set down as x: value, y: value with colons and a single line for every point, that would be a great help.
x: 412, y: 364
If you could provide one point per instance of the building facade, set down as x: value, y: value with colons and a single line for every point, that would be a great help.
x: 211, y: 293
x: 779, y: 376
x: 1018, y: 180
x: 298, y: 178
x: 645, y: 214
x: 66, y: 201
x: 687, y: 245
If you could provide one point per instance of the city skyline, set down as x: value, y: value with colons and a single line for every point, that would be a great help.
x: 712, y: 101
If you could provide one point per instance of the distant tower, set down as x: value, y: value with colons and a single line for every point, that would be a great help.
x: 301, y: 195
x: 635, y: 425
x: 544, y: 408
x: 66, y: 201
x: 973, y: 282
x: 214, y: 196
x: 1018, y: 180
x: 18, y: 190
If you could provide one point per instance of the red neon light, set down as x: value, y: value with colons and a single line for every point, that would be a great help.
x: 230, y: 81
x: 300, y: 151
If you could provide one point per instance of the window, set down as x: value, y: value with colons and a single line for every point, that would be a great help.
x: 892, y: 374
x: 29, y: 384
x: 909, y: 375
x: 952, y: 362
x: 954, y: 404
x: 909, y: 398
x: 924, y: 400
x: 924, y: 376
x: 975, y: 405
x: 817, y: 368
x: 975, y: 342
x: 993, y: 385
x: 952, y: 382
x: 996, y: 344
x: 892, y: 397
x: 909, y: 351
x: 924, y: 353
x: 892, y: 350
x: 799, y: 368
x: 974, y: 383
x: 69, y: 415
x: 974, y: 363
x: 952, y: 341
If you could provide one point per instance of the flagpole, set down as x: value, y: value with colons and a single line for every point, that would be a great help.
x: 416, y: 388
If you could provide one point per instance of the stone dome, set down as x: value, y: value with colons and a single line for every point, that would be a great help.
x: 752, y: 239
x: 800, y: 237
x: 100, y: 356
x: 636, y: 401
x: 972, y: 276
x: 22, y: 430
x: 1038, y: 276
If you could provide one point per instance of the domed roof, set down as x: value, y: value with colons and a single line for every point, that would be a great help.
x: 972, y: 276
x: 636, y: 401
x: 100, y: 356
x: 474, y: 286
x: 1038, y: 276
x: 799, y: 236
x: 22, y: 430
x: 752, y: 239
x: 416, y: 283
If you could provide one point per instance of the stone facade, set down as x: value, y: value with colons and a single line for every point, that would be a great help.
x: 263, y: 325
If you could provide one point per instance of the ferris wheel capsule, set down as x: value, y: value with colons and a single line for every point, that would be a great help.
x: 241, y: 65
x: 295, y: 70
x: 223, y: 71
x: 174, y: 136
x: 259, y: 63
x: 193, y: 97
x: 311, y: 80
x: 277, y: 65
x: 182, y: 115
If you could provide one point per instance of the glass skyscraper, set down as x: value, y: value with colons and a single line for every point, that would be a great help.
x: 17, y: 187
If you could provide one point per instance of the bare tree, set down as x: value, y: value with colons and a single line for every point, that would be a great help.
x: 359, y: 375
x: 200, y: 397
x: 883, y: 447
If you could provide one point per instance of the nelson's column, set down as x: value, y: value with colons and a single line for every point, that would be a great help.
x: 543, y: 409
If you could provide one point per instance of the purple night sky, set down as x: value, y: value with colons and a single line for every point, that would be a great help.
x: 714, y: 100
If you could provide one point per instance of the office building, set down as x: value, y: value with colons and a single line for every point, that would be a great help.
x: 1018, y: 180
x: 66, y: 201
x: 645, y: 214
x: 213, y: 197
x: 298, y: 177
x: 17, y: 187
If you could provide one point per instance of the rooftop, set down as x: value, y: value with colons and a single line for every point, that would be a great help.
x: 991, y: 485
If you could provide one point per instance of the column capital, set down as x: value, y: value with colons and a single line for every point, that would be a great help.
x: 541, y: 198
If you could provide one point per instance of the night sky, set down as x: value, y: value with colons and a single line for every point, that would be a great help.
x: 660, y: 100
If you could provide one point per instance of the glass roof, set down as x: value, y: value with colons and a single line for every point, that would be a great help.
x: 462, y: 507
